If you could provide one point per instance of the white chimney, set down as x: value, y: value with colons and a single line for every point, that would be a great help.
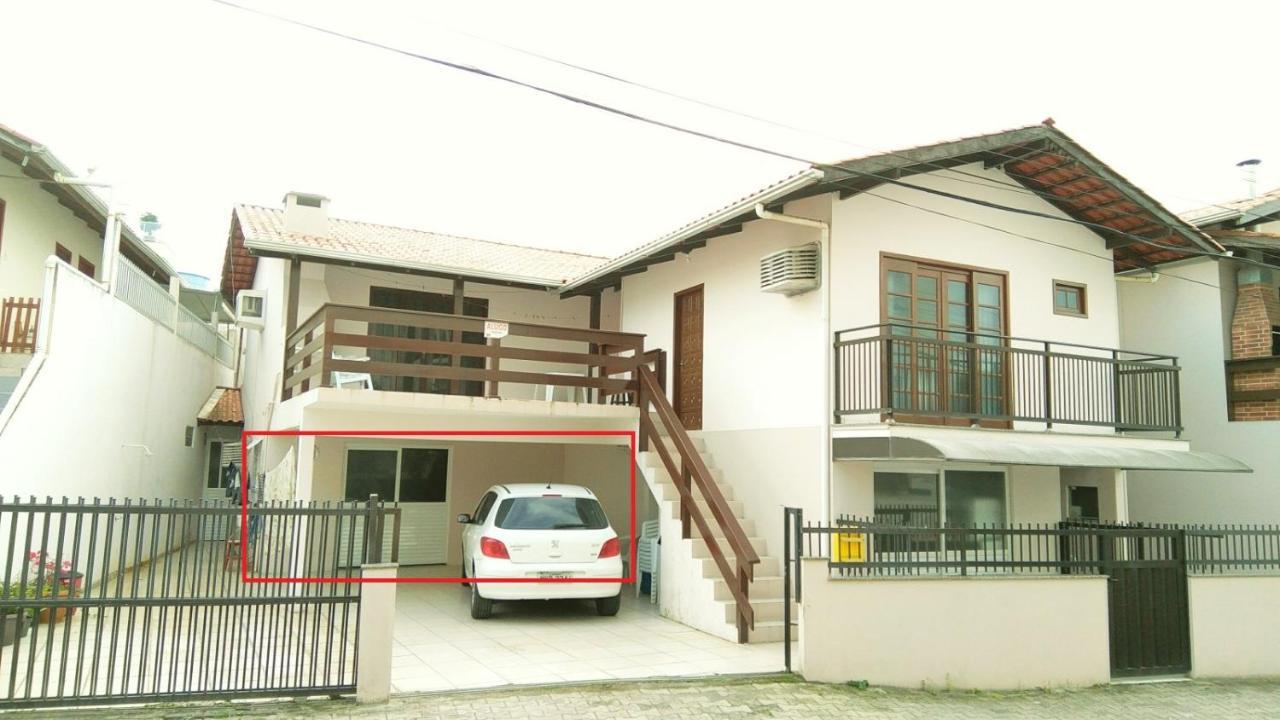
x: 306, y: 214
x: 1249, y: 171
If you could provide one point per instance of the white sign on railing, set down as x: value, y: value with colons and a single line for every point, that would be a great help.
x: 496, y: 329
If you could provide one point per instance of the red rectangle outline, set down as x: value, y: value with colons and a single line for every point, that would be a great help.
x: 244, y: 501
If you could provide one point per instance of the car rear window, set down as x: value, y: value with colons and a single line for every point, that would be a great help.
x: 550, y: 513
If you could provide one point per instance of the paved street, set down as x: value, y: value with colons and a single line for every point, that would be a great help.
x: 762, y: 696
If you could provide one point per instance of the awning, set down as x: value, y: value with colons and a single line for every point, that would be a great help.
x: 1003, y: 452
x: 222, y: 408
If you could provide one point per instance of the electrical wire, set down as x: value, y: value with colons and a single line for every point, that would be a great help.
x: 586, y: 102
x: 980, y: 180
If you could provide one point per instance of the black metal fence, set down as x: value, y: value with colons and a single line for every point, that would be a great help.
x: 108, y: 602
x: 871, y: 548
x: 922, y: 373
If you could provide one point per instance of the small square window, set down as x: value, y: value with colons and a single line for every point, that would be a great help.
x: 1069, y: 299
x: 86, y: 266
x: 62, y: 252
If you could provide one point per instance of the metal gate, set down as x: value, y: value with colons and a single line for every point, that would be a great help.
x: 1147, y: 600
x: 125, y: 602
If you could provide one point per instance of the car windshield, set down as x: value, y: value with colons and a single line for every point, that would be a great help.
x: 551, y: 513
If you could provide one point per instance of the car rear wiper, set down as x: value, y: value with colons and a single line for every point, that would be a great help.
x: 567, y: 526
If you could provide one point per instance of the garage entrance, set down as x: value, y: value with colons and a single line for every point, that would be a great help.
x: 416, y: 479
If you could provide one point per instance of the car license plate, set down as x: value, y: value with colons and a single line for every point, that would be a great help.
x: 554, y: 575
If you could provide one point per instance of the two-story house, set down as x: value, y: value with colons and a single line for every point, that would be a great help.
x: 1227, y: 332
x: 923, y: 336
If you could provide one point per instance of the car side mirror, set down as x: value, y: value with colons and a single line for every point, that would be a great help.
x: 464, y: 518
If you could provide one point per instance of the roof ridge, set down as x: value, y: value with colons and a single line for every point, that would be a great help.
x: 468, y: 238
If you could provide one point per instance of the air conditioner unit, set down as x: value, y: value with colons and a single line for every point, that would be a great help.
x: 791, y: 271
x: 250, y: 306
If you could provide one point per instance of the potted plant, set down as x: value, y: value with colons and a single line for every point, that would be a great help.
x: 53, y: 578
x: 13, y: 621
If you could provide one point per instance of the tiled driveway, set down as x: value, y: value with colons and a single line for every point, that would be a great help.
x: 439, y: 647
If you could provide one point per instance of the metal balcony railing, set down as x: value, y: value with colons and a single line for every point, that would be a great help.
x: 925, y: 375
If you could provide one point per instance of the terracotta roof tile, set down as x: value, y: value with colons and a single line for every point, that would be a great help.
x: 222, y: 408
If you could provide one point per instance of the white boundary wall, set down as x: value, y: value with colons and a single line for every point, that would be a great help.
x: 993, y: 633
x: 1235, y: 626
x: 107, y: 402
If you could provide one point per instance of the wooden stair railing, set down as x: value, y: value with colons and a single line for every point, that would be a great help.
x: 691, y: 471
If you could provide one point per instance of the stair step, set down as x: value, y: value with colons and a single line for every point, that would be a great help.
x: 765, y: 632
x: 700, y: 549
x: 651, y: 460
x: 763, y: 587
x: 766, y: 610
x: 735, y: 506
x: 748, y: 527
x: 668, y: 491
x: 766, y: 567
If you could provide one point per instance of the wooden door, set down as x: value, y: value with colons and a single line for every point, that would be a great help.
x: 935, y: 314
x: 688, y: 357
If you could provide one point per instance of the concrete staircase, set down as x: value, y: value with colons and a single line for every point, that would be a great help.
x: 692, y: 588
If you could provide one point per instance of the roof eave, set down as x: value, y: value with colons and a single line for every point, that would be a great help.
x: 269, y: 248
x: 799, y: 180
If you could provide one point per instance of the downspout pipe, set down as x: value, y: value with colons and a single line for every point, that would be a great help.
x: 824, y: 344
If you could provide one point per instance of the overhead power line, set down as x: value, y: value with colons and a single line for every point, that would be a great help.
x: 638, y: 117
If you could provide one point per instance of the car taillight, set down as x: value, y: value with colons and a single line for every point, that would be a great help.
x: 610, y: 548
x: 489, y: 547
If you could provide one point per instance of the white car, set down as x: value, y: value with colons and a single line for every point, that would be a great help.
x: 551, y: 532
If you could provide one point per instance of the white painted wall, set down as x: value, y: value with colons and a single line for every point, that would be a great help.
x: 869, y: 224
x: 1235, y: 631
x: 106, y: 413
x: 1187, y: 313
x: 997, y: 633
x: 33, y: 222
x: 263, y: 358
x: 478, y: 465
x: 762, y: 352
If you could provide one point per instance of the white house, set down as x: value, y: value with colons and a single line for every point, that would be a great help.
x: 103, y: 372
x: 931, y: 335
x: 1222, y: 317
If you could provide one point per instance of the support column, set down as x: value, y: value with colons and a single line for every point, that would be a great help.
x: 593, y: 348
x: 1120, y: 489
x: 303, y: 489
x: 295, y: 289
x: 459, y: 304
x: 377, y: 620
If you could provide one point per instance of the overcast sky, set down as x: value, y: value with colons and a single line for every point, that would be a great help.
x: 189, y: 106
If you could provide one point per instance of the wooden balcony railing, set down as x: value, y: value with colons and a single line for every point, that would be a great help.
x: 18, y: 320
x: 413, y: 346
x: 925, y: 375
x: 692, y: 472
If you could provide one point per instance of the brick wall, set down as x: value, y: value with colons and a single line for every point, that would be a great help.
x: 1257, y: 312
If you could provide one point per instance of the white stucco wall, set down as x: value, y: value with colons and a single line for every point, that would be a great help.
x: 263, y: 358
x: 993, y: 633
x: 478, y: 465
x: 1187, y: 313
x: 1235, y: 630
x: 33, y: 222
x: 868, y: 225
x: 107, y: 411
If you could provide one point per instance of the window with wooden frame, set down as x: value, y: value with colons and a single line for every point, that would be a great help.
x: 86, y: 266
x: 942, y: 375
x: 1069, y: 299
x: 62, y: 253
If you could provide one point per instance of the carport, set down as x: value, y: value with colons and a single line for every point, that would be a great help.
x: 437, y: 646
